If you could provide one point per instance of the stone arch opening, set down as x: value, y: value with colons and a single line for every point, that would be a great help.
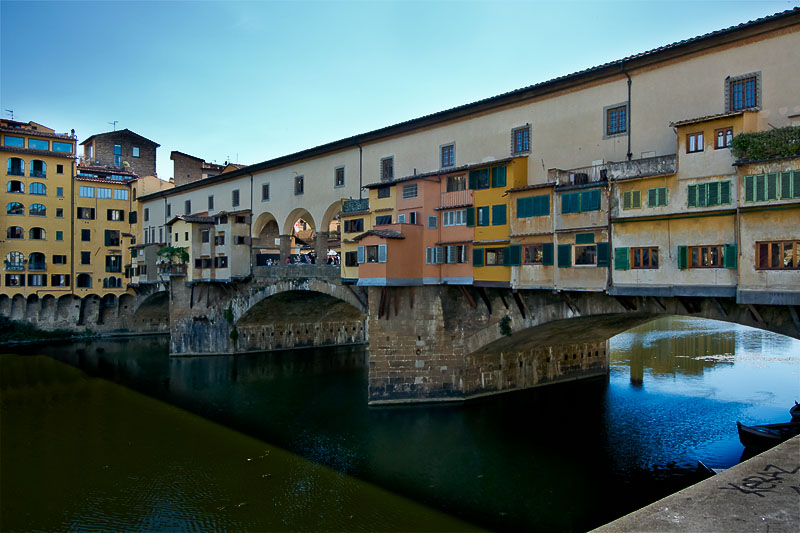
x: 266, y: 239
x: 300, y: 233
x: 332, y: 226
x: 47, y: 311
x: 153, y: 310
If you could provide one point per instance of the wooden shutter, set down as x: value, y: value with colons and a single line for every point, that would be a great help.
x: 749, y: 188
x: 452, y: 254
x: 636, y: 202
x: 730, y: 256
x: 602, y: 254
x: 713, y: 194
x: 472, y: 180
x: 702, y: 195
x: 470, y: 217
x: 584, y: 238
x: 381, y: 253
x: 691, y: 193
x: 512, y: 255
x: 499, y: 177
x: 772, y: 186
x: 786, y: 185
x: 626, y: 199
x: 547, y: 253
x: 761, y: 188
x: 682, y: 257
x: 360, y: 255
x: 522, y: 208
x: 477, y: 257
x: 796, y: 184
x: 439, y: 255
x: 652, y: 197
x: 564, y: 255
x: 498, y: 215
x: 725, y: 192
x: 621, y: 259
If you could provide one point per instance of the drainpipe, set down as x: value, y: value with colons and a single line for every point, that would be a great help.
x: 622, y: 68
x: 72, y: 215
x: 360, y: 167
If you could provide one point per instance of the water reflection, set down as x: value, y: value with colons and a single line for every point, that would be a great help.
x: 568, y: 457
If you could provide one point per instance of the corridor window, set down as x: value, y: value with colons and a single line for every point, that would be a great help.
x: 298, y: 185
x: 521, y: 139
x: 387, y: 168
x: 743, y: 91
x: 86, y: 192
x: 448, y: 155
x: 235, y: 198
x: 616, y: 120
x: 338, y: 177
x: 778, y: 255
x: 265, y: 192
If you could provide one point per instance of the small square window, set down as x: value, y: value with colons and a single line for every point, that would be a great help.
x: 187, y: 207
x: 59, y: 169
x: 86, y: 235
x: 448, y: 155
x: 135, y: 151
x: 338, y: 177
x: 265, y: 192
x: 723, y: 138
x: 521, y: 139
x: 384, y: 192
x: 59, y: 212
x: 86, y: 258
x: 410, y: 191
x: 298, y: 185
x: 117, y: 149
x: 694, y: 142
x: 743, y: 92
x: 235, y: 198
x: 616, y: 119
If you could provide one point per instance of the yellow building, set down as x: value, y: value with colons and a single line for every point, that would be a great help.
x: 37, y: 185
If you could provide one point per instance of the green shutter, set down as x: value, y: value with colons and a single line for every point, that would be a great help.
x: 796, y: 184
x: 499, y: 177
x: 749, y: 188
x: 637, y: 200
x: 512, y: 255
x: 602, y: 254
x: 470, y: 217
x: 547, y: 253
x: 498, y: 215
x: 621, y: 259
x: 692, y: 195
x: 473, y: 180
x: 564, y: 255
x: 761, y: 188
x: 626, y: 199
x: 565, y: 204
x: 702, y: 194
x: 713, y: 193
x: 725, y: 192
x: 522, y: 208
x: 542, y: 205
x: 477, y: 257
x: 772, y: 186
x: 682, y: 257
x: 786, y: 185
x: 584, y: 238
x: 652, y: 197
x: 730, y: 256
x: 590, y: 200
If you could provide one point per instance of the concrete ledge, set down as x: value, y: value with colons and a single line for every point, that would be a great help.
x: 760, y: 495
x: 768, y: 297
x: 674, y: 290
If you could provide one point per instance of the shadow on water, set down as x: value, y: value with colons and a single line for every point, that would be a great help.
x: 567, y: 457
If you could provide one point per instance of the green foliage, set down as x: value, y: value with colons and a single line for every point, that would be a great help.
x: 229, y: 314
x: 14, y: 331
x: 779, y: 142
x: 174, y: 254
x: 505, y: 326
x: 234, y: 335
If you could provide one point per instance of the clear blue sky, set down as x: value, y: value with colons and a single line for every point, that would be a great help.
x: 256, y: 80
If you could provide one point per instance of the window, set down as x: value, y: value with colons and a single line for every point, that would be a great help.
x: 483, y: 215
x: 38, y: 169
x: 743, y: 91
x: 15, y: 280
x: 494, y: 256
x: 723, y: 138
x: 383, y: 220
x: 694, y: 142
x: 448, y: 155
x: 709, y: 194
x: 103, y: 192
x: 521, y: 139
x: 86, y: 192
x: 457, y: 253
x: 86, y: 235
x: 86, y: 258
x: 187, y: 207
x: 434, y: 255
x: 778, y: 255
x: 631, y: 199
x: 15, y: 232
x: 36, y: 234
x: 146, y: 214
x: 219, y: 239
x: 338, y: 177
x: 533, y: 254
x: 235, y: 198
x: 120, y: 194
x: 705, y: 256
x: 16, y: 187
x: 15, y: 261
x: 84, y: 281
x: 59, y: 169
x: 351, y: 259
x: 59, y: 259
x: 577, y: 202
x: 15, y: 208
x: 16, y: 166
x: 38, y: 144
x: 264, y: 192
x: 59, y: 280
x: 498, y: 215
x: 85, y: 213
x: 298, y: 185
x: 454, y: 218
x: 499, y: 177
x: 59, y: 235
x: 433, y: 222
x: 479, y: 179
x: 117, y: 149
x: 456, y: 183
x: 60, y: 192
x: 37, y: 210
x: 657, y: 197
x: 374, y: 253
x: 59, y: 212
x: 410, y: 190
x: 16, y: 142
x: 241, y: 219
x: 186, y: 236
x: 37, y: 188
x: 169, y: 210
x: 37, y: 280
x: 644, y: 257
x: 384, y: 192
x: 771, y: 186
x: 533, y: 206
x: 401, y: 218
x: 586, y: 254
x: 616, y: 119
x: 240, y: 239
x: 62, y: 147
x: 354, y: 225
x: 135, y: 151
x: 387, y: 168
x: 112, y: 237
x: 204, y: 236
x: 132, y: 216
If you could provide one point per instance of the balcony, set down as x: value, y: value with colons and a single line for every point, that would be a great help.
x: 38, y: 265
x: 16, y: 172
x: 168, y: 269
x: 14, y: 265
x: 578, y: 176
x: 635, y: 168
x: 38, y: 174
x: 355, y: 206
x: 456, y: 198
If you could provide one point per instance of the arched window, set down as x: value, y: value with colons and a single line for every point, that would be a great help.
x: 15, y: 261
x: 15, y: 208
x: 36, y: 234
x: 37, y: 210
x: 15, y: 232
x: 38, y: 169
x: 16, y: 166
x: 84, y: 281
x: 36, y: 261
x: 112, y: 282
x: 15, y: 187
x: 37, y: 188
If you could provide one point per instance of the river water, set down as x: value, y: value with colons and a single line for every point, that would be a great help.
x: 123, y: 437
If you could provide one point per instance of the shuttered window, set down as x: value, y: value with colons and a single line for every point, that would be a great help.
x: 564, y: 255
x: 773, y: 186
x: 621, y: 259
x: 381, y: 253
x: 709, y: 194
x: 498, y: 215
x: 479, y: 179
x: 499, y: 177
x: 533, y: 206
x: 477, y: 257
x: 632, y: 200
x: 512, y: 255
x: 360, y: 257
x: 657, y: 197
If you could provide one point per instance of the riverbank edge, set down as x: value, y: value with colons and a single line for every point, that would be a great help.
x: 42, y: 336
x: 761, y: 494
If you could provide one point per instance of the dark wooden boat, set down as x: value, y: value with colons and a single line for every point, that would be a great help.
x: 768, y: 435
